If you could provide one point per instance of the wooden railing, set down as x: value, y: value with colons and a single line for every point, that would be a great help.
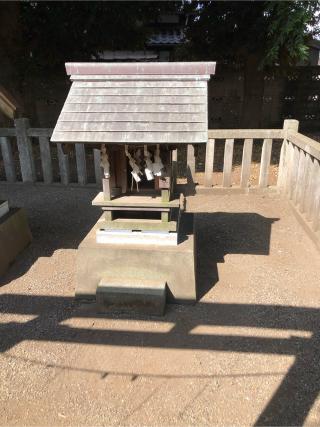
x: 31, y: 141
x: 248, y: 135
x: 299, y: 174
x: 23, y: 135
x: 298, y: 169
x: 298, y: 156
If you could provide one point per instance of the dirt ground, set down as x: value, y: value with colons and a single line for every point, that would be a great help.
x: 246, y: 354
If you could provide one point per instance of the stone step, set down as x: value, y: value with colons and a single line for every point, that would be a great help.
x: 133, y: 237
x: 138, y: 224
x: 137, y: 296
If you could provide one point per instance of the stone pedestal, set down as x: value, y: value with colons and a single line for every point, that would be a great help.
x: 173, y: 265
x: 14, y: 236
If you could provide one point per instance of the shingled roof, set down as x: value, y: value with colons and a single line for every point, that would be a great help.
x: 135, y: 103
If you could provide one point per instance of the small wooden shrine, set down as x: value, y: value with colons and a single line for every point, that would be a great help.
x: 136, y: 113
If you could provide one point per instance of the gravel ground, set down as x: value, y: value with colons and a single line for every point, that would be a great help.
x: 246, y: 354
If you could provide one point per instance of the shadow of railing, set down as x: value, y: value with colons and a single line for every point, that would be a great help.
x: 288, y: 406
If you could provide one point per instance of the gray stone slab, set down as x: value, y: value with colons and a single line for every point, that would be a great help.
x: 15, y: 235
x: 4, y: 207
x: 141, y: 296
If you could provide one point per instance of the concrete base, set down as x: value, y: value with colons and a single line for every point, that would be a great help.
x: 14, y: 236
x: 124, y: 237
x: 173, y: 265
x: 143, y: 297
x: 4, y: 207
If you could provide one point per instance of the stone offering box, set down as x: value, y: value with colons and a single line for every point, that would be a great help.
x: 138, y: 254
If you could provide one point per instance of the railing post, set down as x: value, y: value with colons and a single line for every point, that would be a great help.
x: 246, y: 162
x: 81, y: 163
x: 46, y: 161
x: 191, y: 161
x: 25, y: 150
x: 288, y: 125
x: 265, y: 163
x: 227, y: 163
x: 7, y: 157
x: 64, y: 167
x: 209, y: 163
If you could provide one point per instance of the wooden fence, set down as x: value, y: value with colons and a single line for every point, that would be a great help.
x: 28, y: 138
x: 24, y: 135
x: 299, y: 174
x: 298, y: 171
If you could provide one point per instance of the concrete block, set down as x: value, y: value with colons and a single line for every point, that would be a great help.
x: 4, y: 208
x: 173, y: 265
x: 141, y: 296
x: 124, y: 237
x: 14, y: 236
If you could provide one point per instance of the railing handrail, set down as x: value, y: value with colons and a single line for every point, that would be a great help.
x: 37, y: 132
x: 212, y: 133
x: 33, y: 132
x: 8, y: 132
x: 308, y: 145
x: 245, y: 133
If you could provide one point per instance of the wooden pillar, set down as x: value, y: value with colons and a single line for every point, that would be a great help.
x: 121, y: 169
x: 46, y: 161
x: 288, y: 125
x: 106, y: 185
x: 191, y: 162
x: 25, y: 150
x: 7, y: 158
x: 174, y: 168
x: 64, y: 166
x: 97, y: 166
x: 165, y: 195
x: 81, y: 163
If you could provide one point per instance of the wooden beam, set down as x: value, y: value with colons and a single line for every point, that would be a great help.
x: 8, y: 132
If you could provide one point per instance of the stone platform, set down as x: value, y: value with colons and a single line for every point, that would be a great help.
x: 144, y: 296
x: 14, y: 236
x: 172, y: 265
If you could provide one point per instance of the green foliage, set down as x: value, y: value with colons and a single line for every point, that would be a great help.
x: 287, y: 31
x: 274, y: 31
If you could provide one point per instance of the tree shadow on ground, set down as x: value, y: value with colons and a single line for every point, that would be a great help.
x: 62, y: 222
x: 288, y: 406
x: 221, y: 233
